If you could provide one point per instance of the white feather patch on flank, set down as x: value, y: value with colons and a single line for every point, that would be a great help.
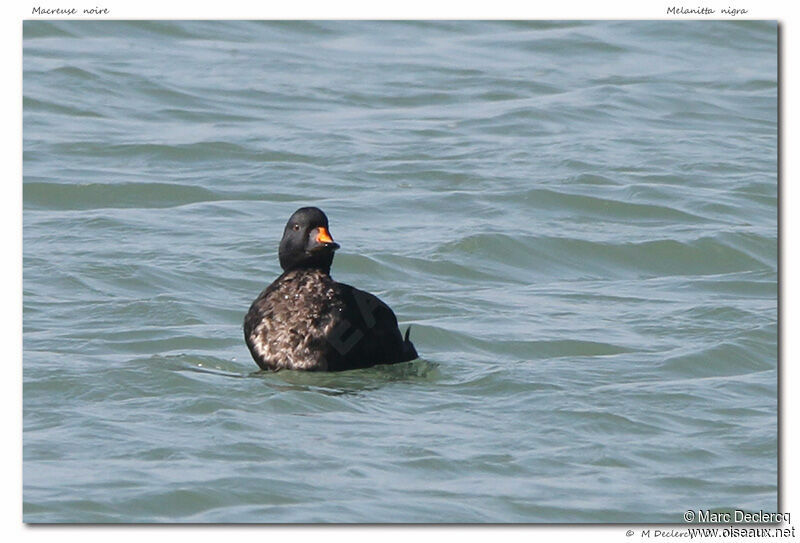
x: 296, y: 317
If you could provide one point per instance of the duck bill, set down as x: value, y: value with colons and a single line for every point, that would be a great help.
x: 325, y: 240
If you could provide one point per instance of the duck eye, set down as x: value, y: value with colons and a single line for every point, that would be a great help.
x: 296, y: 227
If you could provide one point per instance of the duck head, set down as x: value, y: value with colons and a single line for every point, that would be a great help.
x: 306, y: 242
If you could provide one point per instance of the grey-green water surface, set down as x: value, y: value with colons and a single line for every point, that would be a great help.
x: 578, y: 219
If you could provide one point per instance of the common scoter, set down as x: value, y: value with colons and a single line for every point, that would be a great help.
x: 307, y: 321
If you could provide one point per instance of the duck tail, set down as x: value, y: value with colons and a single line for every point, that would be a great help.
x: 409, y: 351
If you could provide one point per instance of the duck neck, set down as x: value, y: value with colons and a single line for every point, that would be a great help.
x: 310, y: 269
x: 319, y: 261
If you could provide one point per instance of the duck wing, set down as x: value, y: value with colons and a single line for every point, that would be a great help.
x: 367, y: 333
